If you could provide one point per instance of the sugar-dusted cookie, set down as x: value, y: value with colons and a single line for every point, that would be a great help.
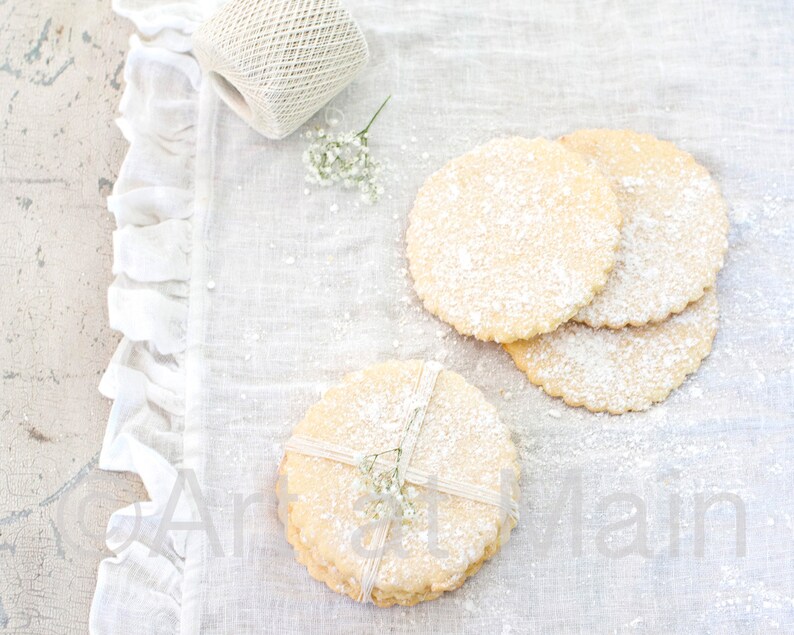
x: 617, y: 370
x: 512, y: 238
x: 340, y: 493
x: 674, y: 232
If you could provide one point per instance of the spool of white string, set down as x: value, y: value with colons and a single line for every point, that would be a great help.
x: 277, y: 62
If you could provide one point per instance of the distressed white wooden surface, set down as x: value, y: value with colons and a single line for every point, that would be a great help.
x: 60, y: 82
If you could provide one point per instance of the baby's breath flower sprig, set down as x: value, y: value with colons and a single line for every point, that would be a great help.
x: 344, y: 158
x: 386, y: 486
x: 388, y: 496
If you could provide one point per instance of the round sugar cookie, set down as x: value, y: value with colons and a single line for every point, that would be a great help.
x: 675, y: 227
x: 512, y: 238
x: 617, y: 370
x: 446, y: 537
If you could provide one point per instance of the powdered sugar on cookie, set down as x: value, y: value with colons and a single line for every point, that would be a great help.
x: 675, y: 227
x: 619, y: 370
x: 512, y: 238
x: 461, y: 439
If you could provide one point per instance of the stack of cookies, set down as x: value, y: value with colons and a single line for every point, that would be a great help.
x: 452, y: 509
x: 592, y: 259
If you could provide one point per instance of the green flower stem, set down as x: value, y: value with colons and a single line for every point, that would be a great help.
x: 374, y: 117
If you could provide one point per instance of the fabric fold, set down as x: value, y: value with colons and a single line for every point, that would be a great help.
x: 153, y: 253
x: 150, y: 205
x: 139, y: 589
x: 143, y: 313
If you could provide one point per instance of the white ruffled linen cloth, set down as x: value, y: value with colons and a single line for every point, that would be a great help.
x: 242, y: 293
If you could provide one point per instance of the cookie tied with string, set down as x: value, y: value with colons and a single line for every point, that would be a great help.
x: 398, y: 484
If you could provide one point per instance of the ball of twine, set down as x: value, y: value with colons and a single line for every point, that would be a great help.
x: 277, y: 62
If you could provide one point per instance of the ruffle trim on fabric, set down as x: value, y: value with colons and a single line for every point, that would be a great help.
x: 139, y: 589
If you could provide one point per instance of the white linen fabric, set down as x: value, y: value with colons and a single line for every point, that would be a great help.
x: 243, y: 293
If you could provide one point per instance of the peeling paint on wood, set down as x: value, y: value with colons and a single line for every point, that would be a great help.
x: 61, y: 76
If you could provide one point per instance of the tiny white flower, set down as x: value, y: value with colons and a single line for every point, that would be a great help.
x: 344, y: 158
